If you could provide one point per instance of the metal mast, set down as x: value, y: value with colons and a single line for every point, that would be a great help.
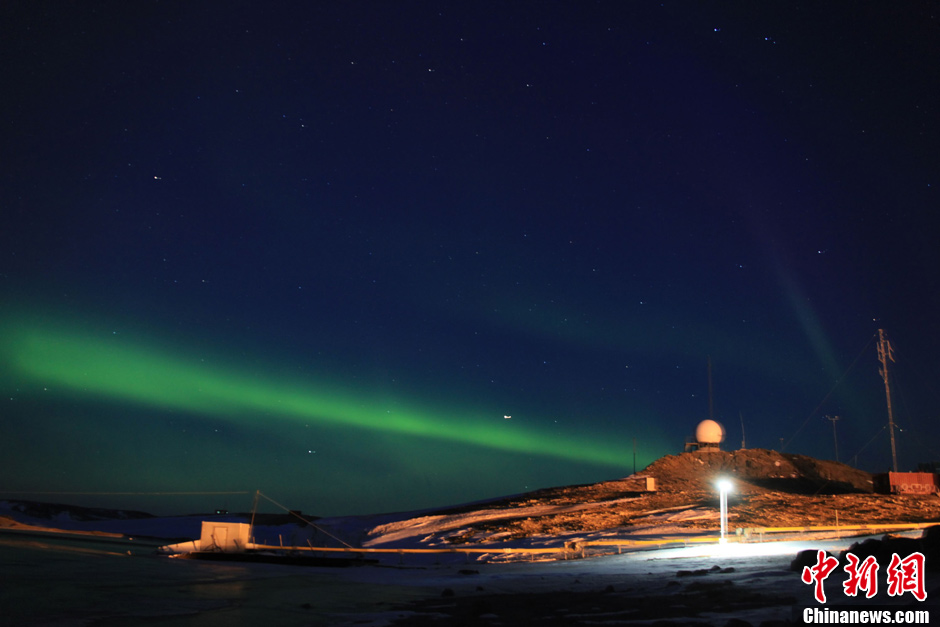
x: 711, y: 413
x: 885, y: 353
x: 835, y: 439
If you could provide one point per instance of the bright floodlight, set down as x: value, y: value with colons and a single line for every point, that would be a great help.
x: 724, y: 486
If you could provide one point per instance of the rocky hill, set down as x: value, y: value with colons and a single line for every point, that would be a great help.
x: 756, y: 470
x: 771, y: 489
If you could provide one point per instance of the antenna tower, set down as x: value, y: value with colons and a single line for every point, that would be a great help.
x: 885, y: 354
x: 711, y: 413
x: 835, y: 439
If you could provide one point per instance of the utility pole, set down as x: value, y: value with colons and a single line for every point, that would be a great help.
x: 835, y: 440
x: 886, y: 353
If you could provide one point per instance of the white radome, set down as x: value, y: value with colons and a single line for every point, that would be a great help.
x: 709, y: 432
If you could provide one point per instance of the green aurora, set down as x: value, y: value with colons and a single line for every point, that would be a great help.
x: 87, y: 365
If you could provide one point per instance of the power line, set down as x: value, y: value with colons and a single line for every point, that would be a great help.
x: 295, y: 514
x: 826, y: 398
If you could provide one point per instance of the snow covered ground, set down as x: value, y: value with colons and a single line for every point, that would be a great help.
x: 64, y: 580
x: 406, y: 530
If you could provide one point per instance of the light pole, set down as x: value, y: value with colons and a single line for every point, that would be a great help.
x: 724, y: 486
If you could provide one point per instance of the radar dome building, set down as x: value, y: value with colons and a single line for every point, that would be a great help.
x: 708, y: 436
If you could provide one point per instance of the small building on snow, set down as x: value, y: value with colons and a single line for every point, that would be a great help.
x: 224, y: 536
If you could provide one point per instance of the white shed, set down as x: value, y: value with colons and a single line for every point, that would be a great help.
x: 224, y: 536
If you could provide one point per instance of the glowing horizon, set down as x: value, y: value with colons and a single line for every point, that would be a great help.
x: 87, y: 365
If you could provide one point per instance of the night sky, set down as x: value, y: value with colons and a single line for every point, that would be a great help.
x: 377, y: 256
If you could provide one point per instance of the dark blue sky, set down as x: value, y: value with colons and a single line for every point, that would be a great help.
x: 383, y: 227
